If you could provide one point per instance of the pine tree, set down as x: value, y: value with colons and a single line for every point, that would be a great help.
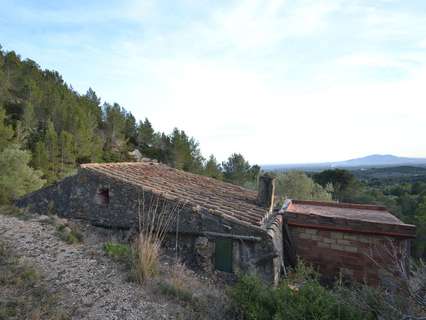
x: 40, y: 158
x: 213, y: 168
x: 186, y: 153
x: 145, y: 134
x: 67, y: 153
x: 130, y: 129
x: 51, y: 143
x: 6, y: 131
x: 237, y: 170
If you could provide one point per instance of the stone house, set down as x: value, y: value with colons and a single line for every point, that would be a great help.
x: 220, y: 226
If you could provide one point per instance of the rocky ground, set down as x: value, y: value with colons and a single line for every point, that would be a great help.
x: 91, y: 285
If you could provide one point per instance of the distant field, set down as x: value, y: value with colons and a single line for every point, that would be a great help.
x: 369, y: 174
x: 392, y: 174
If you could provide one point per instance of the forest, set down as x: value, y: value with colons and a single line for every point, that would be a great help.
x: 47, y: 129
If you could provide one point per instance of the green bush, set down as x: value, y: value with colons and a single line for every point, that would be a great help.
x: 118, y: 252
x: 312, y: 301
x: 16, y: 176
x: 304, y: 301
x: 254, y: 298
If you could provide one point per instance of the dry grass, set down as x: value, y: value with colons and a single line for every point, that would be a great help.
x: 146, y: 253
x: 23, y: 294
x: 156, y: 216
x: 10, y: 210
x: 200, y: 299
x: 178, y: 276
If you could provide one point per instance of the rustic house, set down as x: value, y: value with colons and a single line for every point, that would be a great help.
x: 228, y: 228
x: 220, y: 225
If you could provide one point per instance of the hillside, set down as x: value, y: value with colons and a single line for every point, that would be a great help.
x: 62, y: 128
x: 80, y: 281
x: 47, y: 125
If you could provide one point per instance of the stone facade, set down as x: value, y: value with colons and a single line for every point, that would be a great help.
x: 109, y: 202
x: 219, y: 225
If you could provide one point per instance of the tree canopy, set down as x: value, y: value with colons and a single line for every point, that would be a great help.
x: 237, y: 170
x: 297, y: 185
x: 343, y: 181
x: 57, y: 129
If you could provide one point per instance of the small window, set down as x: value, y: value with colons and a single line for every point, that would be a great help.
x: 223, y: 255
x: 102, y: 196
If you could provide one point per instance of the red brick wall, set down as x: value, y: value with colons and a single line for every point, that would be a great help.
x: 351, y: 254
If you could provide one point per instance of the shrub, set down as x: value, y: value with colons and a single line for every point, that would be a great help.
x: 69, y: 234
x: 254, y: 298
x: 16, y: 176
x: 312, y: 301
x: 301, y: 296
x: 118, y: 251
x: 297, y: 185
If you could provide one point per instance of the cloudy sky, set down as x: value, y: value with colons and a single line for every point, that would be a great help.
x: 279, y: 81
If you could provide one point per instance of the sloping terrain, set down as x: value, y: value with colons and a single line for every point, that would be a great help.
x: 91, y: 285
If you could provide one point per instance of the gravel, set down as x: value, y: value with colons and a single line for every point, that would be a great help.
x: 92, y: 286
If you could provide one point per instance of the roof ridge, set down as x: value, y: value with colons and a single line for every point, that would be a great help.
x: 154, y: 162
x: 98, y: 164
x: 341, y: 205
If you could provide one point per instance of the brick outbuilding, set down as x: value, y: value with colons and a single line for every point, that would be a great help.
x: 361, y: 242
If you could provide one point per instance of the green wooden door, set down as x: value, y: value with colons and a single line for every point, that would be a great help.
x: 223, y: 255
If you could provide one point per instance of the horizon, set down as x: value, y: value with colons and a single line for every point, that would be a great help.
x: 342, y: 160
x: 279, y: 83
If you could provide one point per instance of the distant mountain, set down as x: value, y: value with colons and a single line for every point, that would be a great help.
x: 380, y: 160
x: 374, y: 160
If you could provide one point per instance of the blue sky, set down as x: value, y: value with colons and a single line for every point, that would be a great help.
x: 279, y: 81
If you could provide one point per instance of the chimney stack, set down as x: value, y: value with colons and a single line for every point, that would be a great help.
x: 266, y: 191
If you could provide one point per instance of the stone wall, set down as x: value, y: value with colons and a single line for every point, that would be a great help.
x: 198, y: 251
x: 125, y: 206
x: 358, y: 257
x: 274, y: 227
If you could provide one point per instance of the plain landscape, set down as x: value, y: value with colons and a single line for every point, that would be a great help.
x: 247, y: 160
x: 47, y: 130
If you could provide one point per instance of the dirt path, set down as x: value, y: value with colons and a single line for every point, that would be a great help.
x: 92, y: 286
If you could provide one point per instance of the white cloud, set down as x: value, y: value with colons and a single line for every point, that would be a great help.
x: 278, y: 81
